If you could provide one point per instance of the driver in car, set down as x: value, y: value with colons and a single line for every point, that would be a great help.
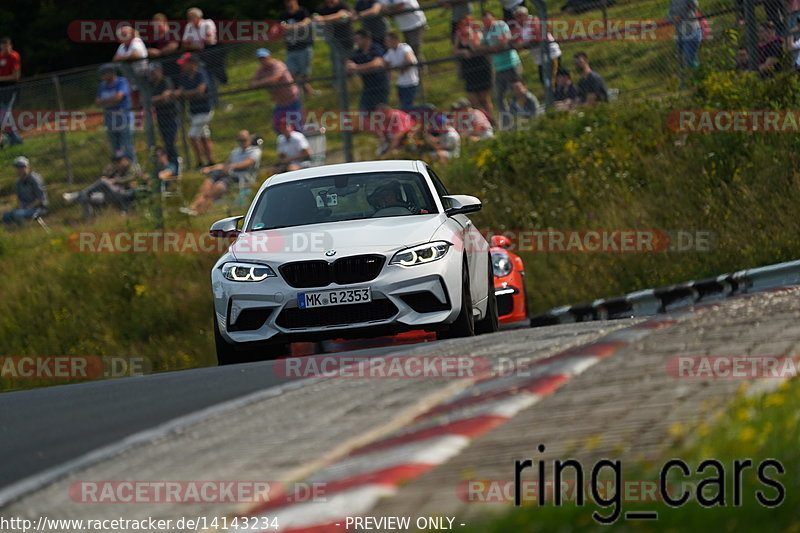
x: 388, y: 197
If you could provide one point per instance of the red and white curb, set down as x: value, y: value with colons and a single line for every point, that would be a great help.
x: 355, y: 483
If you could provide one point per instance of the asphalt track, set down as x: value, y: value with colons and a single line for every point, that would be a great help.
x: 43, y: 428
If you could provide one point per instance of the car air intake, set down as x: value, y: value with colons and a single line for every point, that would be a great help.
x: 424, y: 302
x: 250, y: 319
x: 344, y: 271
x: 292, y: 318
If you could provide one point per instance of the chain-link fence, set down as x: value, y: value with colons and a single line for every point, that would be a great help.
x: 509, y: 67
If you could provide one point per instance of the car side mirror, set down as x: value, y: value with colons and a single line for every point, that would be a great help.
x: 226, y: 228
x: 461, y: 204
x: 501, y: 241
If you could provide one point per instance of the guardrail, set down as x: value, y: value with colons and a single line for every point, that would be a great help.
x: 653, y: 301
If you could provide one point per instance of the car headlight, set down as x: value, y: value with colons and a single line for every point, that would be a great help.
x: 246, y: 272
x: 501, y: 264
x: 419, y: 255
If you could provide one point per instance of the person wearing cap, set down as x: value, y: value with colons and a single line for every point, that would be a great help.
x: 194, y: 87
x: 115, y: 186
x: 443, y: 139
x: 273, y: 75
x: 114, y: 96
x: 242, y: 165
x: 165, y: 105
x: 31, y: 196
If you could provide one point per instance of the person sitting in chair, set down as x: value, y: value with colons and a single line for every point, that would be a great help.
x: 242, y: 166
x: 116, y: 186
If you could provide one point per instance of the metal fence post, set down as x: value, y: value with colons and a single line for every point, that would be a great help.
x: 544, y: 51
x: 63, y: 134
x: 344, y: 100
x: 150, y: 135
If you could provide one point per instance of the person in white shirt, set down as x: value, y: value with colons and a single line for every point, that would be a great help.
x: 400, y: 55
x: 131, y: 48
x: 199, y: 33
x: 410, y: 19
x: 242, y: 166
x: 294, y: 152
x: 528, y: 37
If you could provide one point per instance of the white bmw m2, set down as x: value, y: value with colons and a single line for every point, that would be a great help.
x: 350, y: 250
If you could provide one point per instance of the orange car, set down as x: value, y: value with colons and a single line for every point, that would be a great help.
x: 509, y: 281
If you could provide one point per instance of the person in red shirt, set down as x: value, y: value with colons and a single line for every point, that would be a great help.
x: 392, y: 127
x: 10, y: 72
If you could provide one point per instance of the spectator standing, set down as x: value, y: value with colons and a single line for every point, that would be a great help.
x: 507, y: 65
x: 275, y: 77
x: 166, y: 107
x: 400, y: 55
x: 475, y: 68
x: 458, y: 10
x: 163, y: 41
x: 242, y: 166
x: 370, y: 12
x: 337, y: 20
x: 194, y: 87
x: 131, y: 49
x: 10, y: 73
x: 688, y: 32
x: 200, y: 35
x: 770, y: 50
x: 409, y: 19
x: 591, y: 87
x: 31, y: 196
x: 299, y: 38
x: 367, y: 61
x: 114, y: 96
x: 115, y: 186
x: 294, y: 151
x: 565, y: 94
x: 528, y: 37
x: 509, y: 7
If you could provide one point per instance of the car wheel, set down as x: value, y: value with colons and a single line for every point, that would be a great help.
x: 227, y: 354
x: 464, y: 325
x: 490, y: 323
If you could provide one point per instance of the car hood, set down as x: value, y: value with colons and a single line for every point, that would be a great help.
x: 350, y: 237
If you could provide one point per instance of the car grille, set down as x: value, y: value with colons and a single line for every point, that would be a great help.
x: 336, y: 315
x: 355, y: 269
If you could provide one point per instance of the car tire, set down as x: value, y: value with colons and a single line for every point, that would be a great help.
x: 490, y: 323
x: 228, y: 354
x: 464, y: 325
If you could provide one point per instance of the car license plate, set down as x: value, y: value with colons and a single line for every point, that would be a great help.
x: 308, y: 300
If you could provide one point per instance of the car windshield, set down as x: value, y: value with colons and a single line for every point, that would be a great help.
x: 342, y: 197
